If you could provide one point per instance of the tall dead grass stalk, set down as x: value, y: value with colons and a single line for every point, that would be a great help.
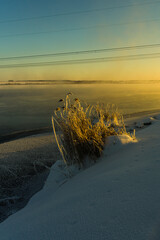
x: 81, y: 131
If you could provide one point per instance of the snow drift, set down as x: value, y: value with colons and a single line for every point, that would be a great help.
x: 118, y: 198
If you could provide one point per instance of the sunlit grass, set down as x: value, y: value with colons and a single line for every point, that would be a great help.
x: 82, y: 130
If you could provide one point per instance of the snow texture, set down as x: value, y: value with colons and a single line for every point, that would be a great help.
x: 118, y: 198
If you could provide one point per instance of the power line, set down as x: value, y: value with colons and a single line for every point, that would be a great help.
x: 78, y: 12
x: 79, y: 28
x: 82, y: 61
x: 93, y: 51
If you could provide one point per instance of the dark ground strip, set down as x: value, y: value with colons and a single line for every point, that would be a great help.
x: 22, y: 134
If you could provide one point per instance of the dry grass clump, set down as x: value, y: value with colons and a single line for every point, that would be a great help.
x: 83, y: 130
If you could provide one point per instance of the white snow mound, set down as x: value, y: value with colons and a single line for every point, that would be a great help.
x: 115, y: 143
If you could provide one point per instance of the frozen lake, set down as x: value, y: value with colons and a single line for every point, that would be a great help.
x: 25, y: 107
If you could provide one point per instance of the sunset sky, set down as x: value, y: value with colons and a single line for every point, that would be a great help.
x: 32, y: 27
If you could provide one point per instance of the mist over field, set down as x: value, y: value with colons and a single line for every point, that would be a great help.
x: 27, y: 105
x: 45, y: 82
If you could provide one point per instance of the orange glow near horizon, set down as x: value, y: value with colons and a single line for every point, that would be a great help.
x: 122, y: 70
x: 127, y: 24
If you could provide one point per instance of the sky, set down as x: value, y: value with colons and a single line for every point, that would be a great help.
x: 41, y: 27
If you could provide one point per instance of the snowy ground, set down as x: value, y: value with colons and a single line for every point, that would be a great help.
x: 118, y: 198
x: 24, y: 167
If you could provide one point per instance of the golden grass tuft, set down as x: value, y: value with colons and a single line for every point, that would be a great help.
x: 82, y: 130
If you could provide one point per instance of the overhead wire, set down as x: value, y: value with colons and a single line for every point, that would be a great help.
x: 78, y: 12
x: 78, y: 28
x: 92, y: 51
x: 79, y: 61
x: 82, y: 61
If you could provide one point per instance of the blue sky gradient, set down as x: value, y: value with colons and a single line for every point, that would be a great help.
x: 27, y: 37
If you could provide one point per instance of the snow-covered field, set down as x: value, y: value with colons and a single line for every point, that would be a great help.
x: 24, y: 166
x: 118, y: 198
